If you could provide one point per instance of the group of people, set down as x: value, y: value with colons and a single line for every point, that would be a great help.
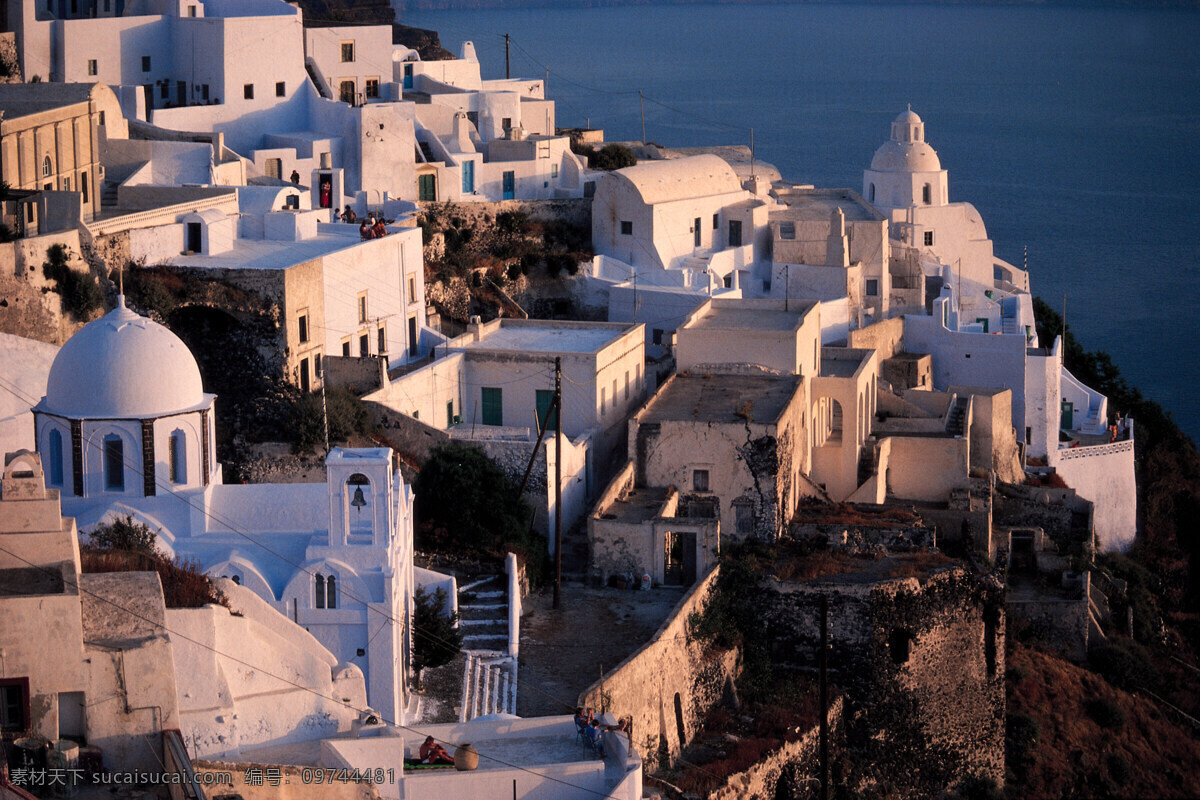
x: 432, y: 752
x: 588, y: 726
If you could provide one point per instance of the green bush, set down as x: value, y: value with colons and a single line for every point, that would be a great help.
x: 346, y: 413
x: 466, y: 504
x: 1106, y: 713
x: 1125, y: 665
x: 1119, y: 769
x: 612, y: 156
x: 512, y: 221
x: 436, y: 637
x: 980, y: 788
x: 80, y: 291
x: 123, y: 533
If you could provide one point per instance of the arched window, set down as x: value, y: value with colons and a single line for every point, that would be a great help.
x: 47, y: 167
x: 178, y: 453
x: 871, y: 193
x: 237, y: 579
x: 331, y: 592
x: 114, y: 463
x: 319, y: 598
x: 56, y: 458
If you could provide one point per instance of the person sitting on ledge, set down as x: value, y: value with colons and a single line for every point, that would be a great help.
x: 433, y: 753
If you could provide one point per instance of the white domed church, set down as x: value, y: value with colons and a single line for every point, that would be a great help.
x: 127, y: 428
x: 907, y: 184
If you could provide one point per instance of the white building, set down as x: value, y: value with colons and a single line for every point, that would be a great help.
x: 126, y: 428
x: 907, y: 183
x: 493, y: 387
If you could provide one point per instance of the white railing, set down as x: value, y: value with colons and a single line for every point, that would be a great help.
x: 166, y: 215
x: 1070, y: 453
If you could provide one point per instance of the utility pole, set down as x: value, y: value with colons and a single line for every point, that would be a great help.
x: 823, y: 705
x: 557, y: 481
x: 324, y: 415
x: 507, y: 75
x: 642, y: 103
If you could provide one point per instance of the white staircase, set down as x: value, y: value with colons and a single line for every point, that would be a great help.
x: 489, y: 672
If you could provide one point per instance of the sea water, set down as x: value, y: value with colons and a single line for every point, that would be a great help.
x: 1074, y: 131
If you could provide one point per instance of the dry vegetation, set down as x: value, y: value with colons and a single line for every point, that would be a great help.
x: 730, y: 742
x: 819, y: 512
x: 184, y: 586
x: 1072, y: 735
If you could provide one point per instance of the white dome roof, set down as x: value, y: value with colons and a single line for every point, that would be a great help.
x: 895, y: 156
x: 907, y: 150
x: 123, y: 365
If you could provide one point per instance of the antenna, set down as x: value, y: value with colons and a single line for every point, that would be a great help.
x: 642, y: 102
x: 325, y: 416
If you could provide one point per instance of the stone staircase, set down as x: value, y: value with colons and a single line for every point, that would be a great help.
x: 1009, y: 325
x: 489, y: 684
x: 956, y: 422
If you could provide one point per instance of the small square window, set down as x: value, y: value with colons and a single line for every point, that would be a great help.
x: 280, y: 89
x: 371, y: 87
x: 626, y: 227
x: 345, y: 348
x: 347, y: 52
x: 506, y: 124
x: 191, y: 11
x: 92, y: 67
x: 929, y: 238
x: 248, y: 91
x: 145, y: 63
x: 872, y: 287
x: 700, y: 480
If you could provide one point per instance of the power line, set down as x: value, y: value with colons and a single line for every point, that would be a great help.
x: 80, y: 588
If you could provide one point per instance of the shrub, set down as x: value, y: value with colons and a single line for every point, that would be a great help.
x: 465, y: 502
x: 1106, y: 713
x: 123, y: 533
x: 1125, y: 665
x: 1119, y: 769
x: 514, y: 271
x: 346, y: 413
x: 436, y: 637
x: 183, y: 585
x: 612, y: 156
x: 980, y: 788
x: 512, y: 221
x: 80, y: 291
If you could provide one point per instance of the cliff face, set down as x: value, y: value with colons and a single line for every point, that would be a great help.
x: 424, y: 41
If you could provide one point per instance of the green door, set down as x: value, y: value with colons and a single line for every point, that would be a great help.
x: 546, y: 420
x: 1068, y: 415
x: 427, y: 188
x: 493, y: 405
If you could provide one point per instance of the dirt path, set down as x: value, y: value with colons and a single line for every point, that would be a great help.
x: 564, y: 651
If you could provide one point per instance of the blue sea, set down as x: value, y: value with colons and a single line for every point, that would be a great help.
x: 1074, y: 131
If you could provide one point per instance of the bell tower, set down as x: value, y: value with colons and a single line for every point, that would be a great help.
x: 360, y: 496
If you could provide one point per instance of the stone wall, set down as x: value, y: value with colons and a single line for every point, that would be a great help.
x: 796, y: 763
x: 924, y: 725
x: 359, y: 374
x: 409, y: 437
x: 886, y: 338
x: 668, y: 684
x: 29, y: 306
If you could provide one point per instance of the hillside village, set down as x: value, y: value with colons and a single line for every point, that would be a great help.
x: 822, y: 431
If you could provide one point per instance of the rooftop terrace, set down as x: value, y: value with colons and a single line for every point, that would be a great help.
x: 549, y: 336
x: 723, y: 398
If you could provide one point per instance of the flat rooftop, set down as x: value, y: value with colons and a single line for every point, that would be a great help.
x: 816, y: 205
x: 269, y: 253
x: 551, y: 336
x: 842, y: 362
x: 723, y: 398
x: 637, y: 505
x: 743, y: 316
